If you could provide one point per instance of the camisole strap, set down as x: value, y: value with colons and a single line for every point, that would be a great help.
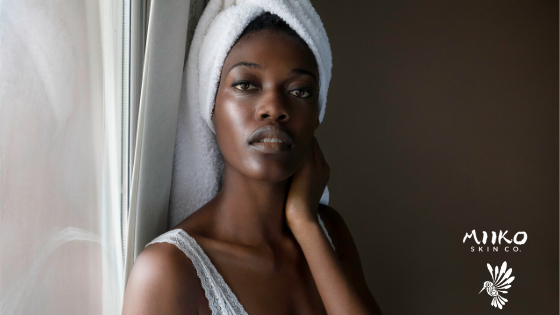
x: 221, y: 299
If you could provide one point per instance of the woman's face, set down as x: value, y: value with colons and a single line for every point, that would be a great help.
x: 268, y: 91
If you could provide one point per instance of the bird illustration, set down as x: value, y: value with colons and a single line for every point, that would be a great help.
x: 500, y: 282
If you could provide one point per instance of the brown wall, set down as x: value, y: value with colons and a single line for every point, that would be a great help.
x: 442, y: 118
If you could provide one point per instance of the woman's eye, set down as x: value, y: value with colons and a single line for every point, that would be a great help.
x: 300, y: 93
x: 244, y: 86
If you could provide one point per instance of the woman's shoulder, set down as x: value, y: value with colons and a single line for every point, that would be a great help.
x: 163, y: 280
x: 337, y: 229
x: 332, y: 220
x: 164, y: 258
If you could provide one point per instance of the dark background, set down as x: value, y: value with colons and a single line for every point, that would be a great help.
x: 442, y: 118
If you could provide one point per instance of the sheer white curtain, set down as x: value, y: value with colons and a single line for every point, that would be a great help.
x: 60, y: 156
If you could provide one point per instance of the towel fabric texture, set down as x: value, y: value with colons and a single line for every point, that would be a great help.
x: 198, y: 166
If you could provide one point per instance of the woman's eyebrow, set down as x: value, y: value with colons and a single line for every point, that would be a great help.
x: 256, y: 65
x: 246, y: 64
x: 305, y: 72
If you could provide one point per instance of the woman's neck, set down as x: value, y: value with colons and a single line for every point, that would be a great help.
x: 250, y: 211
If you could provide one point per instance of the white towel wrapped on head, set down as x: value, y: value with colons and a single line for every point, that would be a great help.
x: 198, y: 166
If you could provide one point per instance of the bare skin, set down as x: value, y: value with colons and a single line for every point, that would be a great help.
x: 261, y: 230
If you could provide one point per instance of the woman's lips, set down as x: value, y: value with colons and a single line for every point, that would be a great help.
x: 271, y: 139
x: 270, y: 147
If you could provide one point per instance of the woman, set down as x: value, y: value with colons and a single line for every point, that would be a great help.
x: 259, y: 247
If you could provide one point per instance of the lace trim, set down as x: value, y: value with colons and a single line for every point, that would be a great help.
x: 221, y: 299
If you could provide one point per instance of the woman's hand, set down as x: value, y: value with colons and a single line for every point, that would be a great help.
x: 341, y: 285
x: 306, y: 188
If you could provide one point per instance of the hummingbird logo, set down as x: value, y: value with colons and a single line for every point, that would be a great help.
x: 500, y: 282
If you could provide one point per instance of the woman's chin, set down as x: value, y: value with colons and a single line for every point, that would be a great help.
x: 264, y: 169
x: 271, y: 174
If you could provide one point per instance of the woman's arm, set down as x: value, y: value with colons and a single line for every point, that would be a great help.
x: 162, y: 281
x: 347, y: 253
x: 338, y: 275
x: 339, y: 279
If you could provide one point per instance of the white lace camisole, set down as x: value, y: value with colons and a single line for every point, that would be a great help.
x: 220, y: 297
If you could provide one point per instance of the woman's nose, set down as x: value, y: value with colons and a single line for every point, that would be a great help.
x: 272, y: 105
